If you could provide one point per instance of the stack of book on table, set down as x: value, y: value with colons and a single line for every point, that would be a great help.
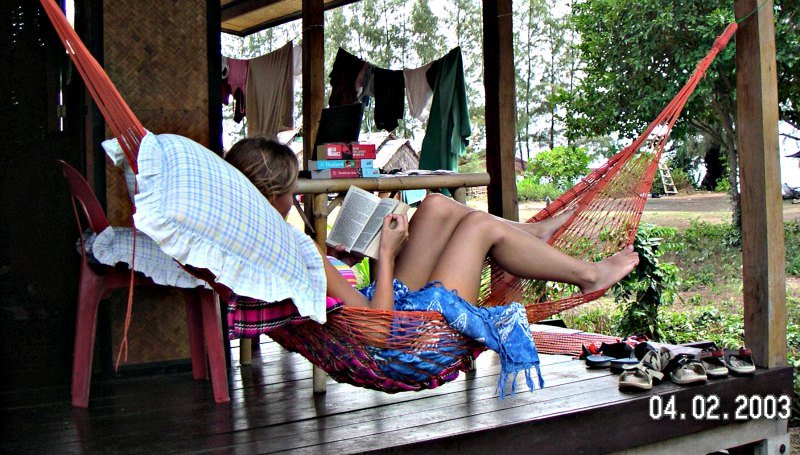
x: 342, y: 160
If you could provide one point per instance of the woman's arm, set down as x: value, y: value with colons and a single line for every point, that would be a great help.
x: 393, y: 234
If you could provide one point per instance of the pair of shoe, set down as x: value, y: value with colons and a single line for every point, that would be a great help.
x: 718, y: 362
x: 607, y: 355
x: 649, y: 369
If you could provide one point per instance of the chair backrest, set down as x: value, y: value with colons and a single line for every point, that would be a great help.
x: 84, y: 196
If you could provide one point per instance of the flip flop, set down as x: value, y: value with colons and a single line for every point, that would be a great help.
x: 598, y: 361
x: 619, y: 365
x: 739, y: 361
x: 685, y: 369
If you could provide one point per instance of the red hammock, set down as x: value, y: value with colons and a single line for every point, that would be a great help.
x: 348, y: 347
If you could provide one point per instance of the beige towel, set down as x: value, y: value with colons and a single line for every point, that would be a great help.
x: 270, y: 93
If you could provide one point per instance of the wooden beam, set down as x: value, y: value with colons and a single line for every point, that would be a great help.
x: 313, y: 94
x: 498, y: 68
x: 763, y: 256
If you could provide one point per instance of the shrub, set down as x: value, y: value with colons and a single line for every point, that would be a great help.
x: 529, y: 189
x: 651, y: 284
x: 560, y: 165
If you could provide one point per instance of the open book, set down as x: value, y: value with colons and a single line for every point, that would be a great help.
x: 360, y: 219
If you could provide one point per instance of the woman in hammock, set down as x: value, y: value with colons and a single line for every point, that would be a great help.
x: 445, y: 242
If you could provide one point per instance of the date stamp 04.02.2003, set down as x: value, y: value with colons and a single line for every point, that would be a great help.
x: 710, y: 407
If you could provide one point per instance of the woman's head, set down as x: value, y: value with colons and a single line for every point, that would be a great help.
x: 270, y: 165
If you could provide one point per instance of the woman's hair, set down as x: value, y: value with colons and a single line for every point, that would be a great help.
x: 270, y: 165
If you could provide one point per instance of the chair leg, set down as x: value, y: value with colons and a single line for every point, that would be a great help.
x: 90, y: 292
x: 212, y: 330
x: 194, y: 324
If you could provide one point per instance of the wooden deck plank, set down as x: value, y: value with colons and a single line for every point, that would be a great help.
x: 272, y: 410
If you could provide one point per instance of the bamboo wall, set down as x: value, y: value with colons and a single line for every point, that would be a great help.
x: 156, y: 54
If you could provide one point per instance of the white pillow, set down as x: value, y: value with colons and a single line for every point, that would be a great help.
x: 203, y: 212
x: 115, y: 245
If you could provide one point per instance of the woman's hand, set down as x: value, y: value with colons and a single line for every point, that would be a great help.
x: 394, y: 234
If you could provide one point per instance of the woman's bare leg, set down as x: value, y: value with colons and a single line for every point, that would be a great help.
x: 428, y: 232
x: 521, y: 254
x: 431, y: 227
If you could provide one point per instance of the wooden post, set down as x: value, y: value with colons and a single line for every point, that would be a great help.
x: 498, y: 70
x: 313, y: 93
x: 763, y: 256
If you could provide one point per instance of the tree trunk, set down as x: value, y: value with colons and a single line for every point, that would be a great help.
x: 715, y: 166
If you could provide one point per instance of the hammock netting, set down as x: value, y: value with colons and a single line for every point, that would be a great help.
x: 352, y: 346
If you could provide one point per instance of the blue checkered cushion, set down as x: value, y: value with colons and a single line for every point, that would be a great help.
x: 203, y: 212
x: 115, y: 245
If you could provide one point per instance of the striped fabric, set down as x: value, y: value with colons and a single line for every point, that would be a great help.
x: 249, y: 318
x: 203, y: 212
x: 113, y: 246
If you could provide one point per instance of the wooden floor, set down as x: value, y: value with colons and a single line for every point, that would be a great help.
x: 274, y: 410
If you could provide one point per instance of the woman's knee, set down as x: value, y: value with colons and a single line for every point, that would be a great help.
x: 436, y: 205
x: 481, y: 224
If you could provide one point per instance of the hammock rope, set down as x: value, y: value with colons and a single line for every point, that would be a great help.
x: 353, y: 346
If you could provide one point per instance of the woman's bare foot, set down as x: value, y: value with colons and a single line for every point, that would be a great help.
x: 610, y: 271
x: 546, y: 228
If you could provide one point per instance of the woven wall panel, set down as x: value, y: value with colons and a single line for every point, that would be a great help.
x: 158, y: 326
x: 155, y: 53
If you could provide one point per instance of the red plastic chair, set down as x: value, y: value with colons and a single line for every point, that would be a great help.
x: 98, y: 281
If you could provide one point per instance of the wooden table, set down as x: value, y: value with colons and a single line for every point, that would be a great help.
x: 317, y: 191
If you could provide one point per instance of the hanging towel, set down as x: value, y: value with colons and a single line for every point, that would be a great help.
x: 390, y: 93
x: 448, y: 130
x: 418, y: 92
x: 270, y: 93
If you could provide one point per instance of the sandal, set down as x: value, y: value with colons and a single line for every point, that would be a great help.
x: 739, y: 361
x: 712, y: 361
x: 643, y: 374
x: 686, y: 369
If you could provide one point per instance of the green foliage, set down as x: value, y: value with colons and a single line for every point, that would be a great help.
x: 723, y: 186
x: 561, y: 165
x: 705, y: 322
x: 791, y: 230
x: 651, y: 284
x: 693, y: 249
x: 683, y: 181
x: 529, y: 189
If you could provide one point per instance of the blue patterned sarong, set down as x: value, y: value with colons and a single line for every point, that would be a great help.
x: 503, y: 329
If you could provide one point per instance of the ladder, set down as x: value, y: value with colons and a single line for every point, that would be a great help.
x: 666, y: 179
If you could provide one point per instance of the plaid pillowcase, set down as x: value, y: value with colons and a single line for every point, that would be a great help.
x: 114, y: 245
x: 203, y: 212
x: 114, y: 151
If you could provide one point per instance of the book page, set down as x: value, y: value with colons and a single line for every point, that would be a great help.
x: 373, y: 249
x: 356, y: 210
x: 372, y: 227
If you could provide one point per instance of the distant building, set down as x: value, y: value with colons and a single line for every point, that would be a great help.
x: 392, y: 152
